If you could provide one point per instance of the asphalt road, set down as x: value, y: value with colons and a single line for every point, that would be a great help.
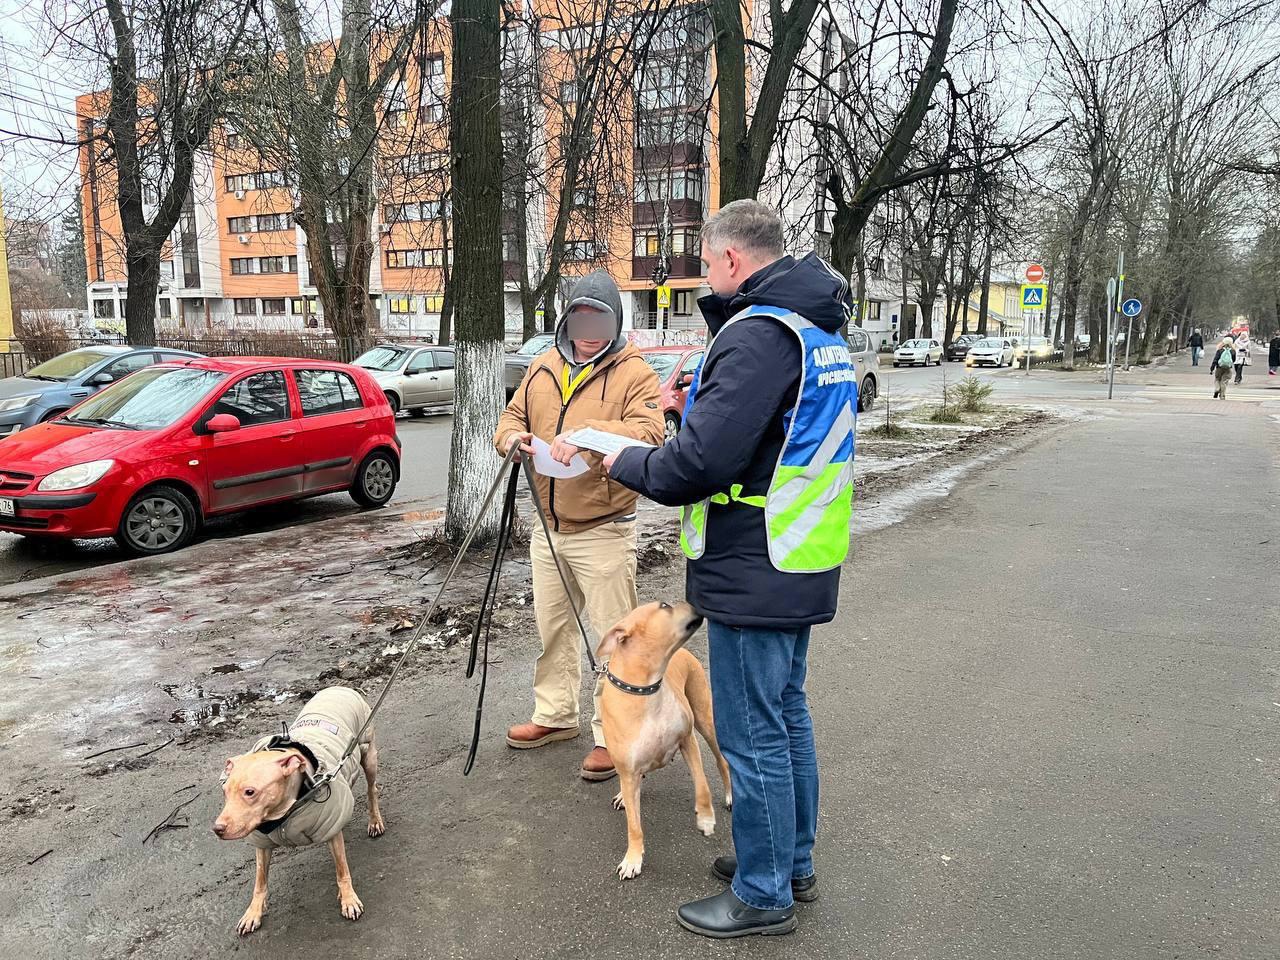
x: 1046, y: 724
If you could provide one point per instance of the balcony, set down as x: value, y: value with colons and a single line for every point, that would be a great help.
x: 682, y: 211
x: 679, y: 267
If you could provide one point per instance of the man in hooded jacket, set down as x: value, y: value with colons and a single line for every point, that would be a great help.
x: 592, y: 377
x: 776, y: 383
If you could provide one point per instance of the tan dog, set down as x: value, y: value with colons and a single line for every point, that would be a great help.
x: 643, y: 726
x: 262, y: 786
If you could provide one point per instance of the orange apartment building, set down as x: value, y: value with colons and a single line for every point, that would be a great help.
x: 238, y: 262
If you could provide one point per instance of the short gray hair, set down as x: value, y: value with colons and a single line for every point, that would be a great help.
x: 748, y: 225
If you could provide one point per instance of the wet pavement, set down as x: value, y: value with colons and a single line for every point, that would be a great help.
x: 1048, y: 744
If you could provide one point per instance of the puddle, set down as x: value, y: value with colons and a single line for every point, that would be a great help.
x: 227, y: 668
x: 213, y: 710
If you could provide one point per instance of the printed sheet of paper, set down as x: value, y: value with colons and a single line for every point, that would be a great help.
x: 601, y: 442
x: 545, y: 465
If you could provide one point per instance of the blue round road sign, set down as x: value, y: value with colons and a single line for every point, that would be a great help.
x: 1131, y: 307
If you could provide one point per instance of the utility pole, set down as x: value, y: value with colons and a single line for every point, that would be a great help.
x: 1115, y: 296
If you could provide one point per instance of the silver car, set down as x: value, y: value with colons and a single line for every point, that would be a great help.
x: 919, y: 350
x: 416, y: 377
x: 867, y: 362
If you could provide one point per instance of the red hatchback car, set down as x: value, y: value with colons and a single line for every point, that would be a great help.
x: 675, y: 367
x: 149, y: 457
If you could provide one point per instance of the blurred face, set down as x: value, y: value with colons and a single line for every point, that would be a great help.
x: 590, y: 330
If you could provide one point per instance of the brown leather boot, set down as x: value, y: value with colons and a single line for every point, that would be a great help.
x: 597, y: 766
x: 526, y: 736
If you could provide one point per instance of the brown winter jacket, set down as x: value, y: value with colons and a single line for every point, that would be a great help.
x: 621, y: 396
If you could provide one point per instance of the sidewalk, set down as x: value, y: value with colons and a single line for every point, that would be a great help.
x: 1041, y: 738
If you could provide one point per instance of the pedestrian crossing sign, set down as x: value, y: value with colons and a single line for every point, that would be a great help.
x: 1033, y: 296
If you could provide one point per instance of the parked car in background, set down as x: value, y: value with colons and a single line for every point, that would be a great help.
x: 958, y: 348
x: 990, y: 351
x: 920, y: 351
x: 1041, y: 348
x: 417, y: 377
x: 517, y: 364
x: 675, y: 367
x: 867, y: 362
x: 53, y: 387
x: 149, y: 458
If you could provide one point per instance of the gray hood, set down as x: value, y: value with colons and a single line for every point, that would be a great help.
x: 21, y: 386
x: 597, y: 290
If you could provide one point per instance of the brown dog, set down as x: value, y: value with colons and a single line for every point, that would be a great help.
x: 656, y: 696
x: 262, y: 786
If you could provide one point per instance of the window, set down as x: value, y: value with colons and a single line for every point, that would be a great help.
x: 444, y: 359
x: 296, y: 306
x: 684, y: 184
x: 246, y: 307
x: 509, y: 249
x: 647, y: 244
x: 166, y: 308
x: 326, y: 391
x: 412, y: 212
x: 416, y: 163
x: 682, y: 303
x: 577, y: 251
x: 104, y: 309
x: 431, y: 112
x: 422, y: 361
x: 129, y: 363
x: 401, y: 304
x: 244, y: 265
x: 234, y: 140
x: 274, y: 221
x: 257, y: 180
x: 261, y: 398
x: 431, y: 257
x: 434, y: 302
x: 569, y: 90
x: 239, y: 181
x: 694, y: 360
x: 240, y: 224
x: 433, y: 67
x: 684, y: 242
x: 584, y: 198
x: 273, y: 306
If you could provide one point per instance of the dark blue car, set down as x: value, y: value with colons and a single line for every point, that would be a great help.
x: 57, y: 385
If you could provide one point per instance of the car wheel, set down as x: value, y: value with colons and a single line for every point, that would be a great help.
x: 375, y: 480
x: 52, y: 414
x: 394, y: 401
x: 158, y: 520
x: 895, y: 363
x: 867, y: 395
x: 671, y: 426
x: 417, y: 411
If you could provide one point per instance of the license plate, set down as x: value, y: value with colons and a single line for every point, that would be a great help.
x: 6, y: 508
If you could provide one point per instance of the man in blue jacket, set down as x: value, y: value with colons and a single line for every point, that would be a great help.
x: 763, y: 471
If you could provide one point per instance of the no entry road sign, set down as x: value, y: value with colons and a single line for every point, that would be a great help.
x: 1035, y: 273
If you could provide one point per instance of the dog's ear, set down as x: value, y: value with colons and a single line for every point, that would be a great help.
x: 612, y: 640
x: 226, y: 771
x: 291, y: 763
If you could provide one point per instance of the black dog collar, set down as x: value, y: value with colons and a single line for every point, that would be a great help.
x: 625, y: 687
x: 284, y: 742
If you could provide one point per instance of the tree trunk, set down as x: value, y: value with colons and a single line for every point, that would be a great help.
x: 985, y: 299
x: 926, y: 315
x: 477, y: 193
x: 143, y: 266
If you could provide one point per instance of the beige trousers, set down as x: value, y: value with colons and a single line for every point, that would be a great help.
x: 600, y: 565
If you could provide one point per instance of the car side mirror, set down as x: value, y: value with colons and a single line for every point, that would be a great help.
x: 222, y: 423
x: 686, y: 380
x: 101, y: 379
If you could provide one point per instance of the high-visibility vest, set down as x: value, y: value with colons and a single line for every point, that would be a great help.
x: 810, y: 499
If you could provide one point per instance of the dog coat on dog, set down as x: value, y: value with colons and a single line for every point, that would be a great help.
x: 325, y: 726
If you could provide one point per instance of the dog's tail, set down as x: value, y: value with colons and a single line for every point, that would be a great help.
x: 698, y: 692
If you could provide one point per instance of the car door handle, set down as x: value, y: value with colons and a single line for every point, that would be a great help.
x: 435, y: 378
x: 285, y: 437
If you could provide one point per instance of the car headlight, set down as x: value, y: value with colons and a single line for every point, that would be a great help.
x: 17, y: 403
x: 81, y: 475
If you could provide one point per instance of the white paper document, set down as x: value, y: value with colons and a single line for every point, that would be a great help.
x: 545, y: 465
x: 591, y: 439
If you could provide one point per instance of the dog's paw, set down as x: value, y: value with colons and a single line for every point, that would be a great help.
x: 377, y: 826
x: 351, y: 905
x: 619, y: 803
x: 728, y: 801
x: 707, y: 825
x: 250, y: 922
x: 630, y: 867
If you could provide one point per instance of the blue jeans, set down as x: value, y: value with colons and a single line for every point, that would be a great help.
x: 1195, y: 355
x: 766, y: 735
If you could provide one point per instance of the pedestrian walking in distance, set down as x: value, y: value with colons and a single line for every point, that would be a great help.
x: 1273, y: 355
x: 1223, y: 362
x: 1242, y: 358
x: 764, y: 463
x: 1196, y: 343
x: 591, y: 377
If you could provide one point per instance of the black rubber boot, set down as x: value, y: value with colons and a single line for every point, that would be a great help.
x: 804, y: 891
x: 725, y: 916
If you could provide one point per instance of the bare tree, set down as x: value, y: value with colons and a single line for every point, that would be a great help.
x: 476, y: 164
x: 172, y: 66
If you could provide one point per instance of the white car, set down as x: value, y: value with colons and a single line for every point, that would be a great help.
x: 995, y: 351
x: 415, y: 377
x: 1041, y: 348
x: 918, y: 351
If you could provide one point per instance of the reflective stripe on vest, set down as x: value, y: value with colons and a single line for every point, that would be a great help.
x: 810, y: 499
